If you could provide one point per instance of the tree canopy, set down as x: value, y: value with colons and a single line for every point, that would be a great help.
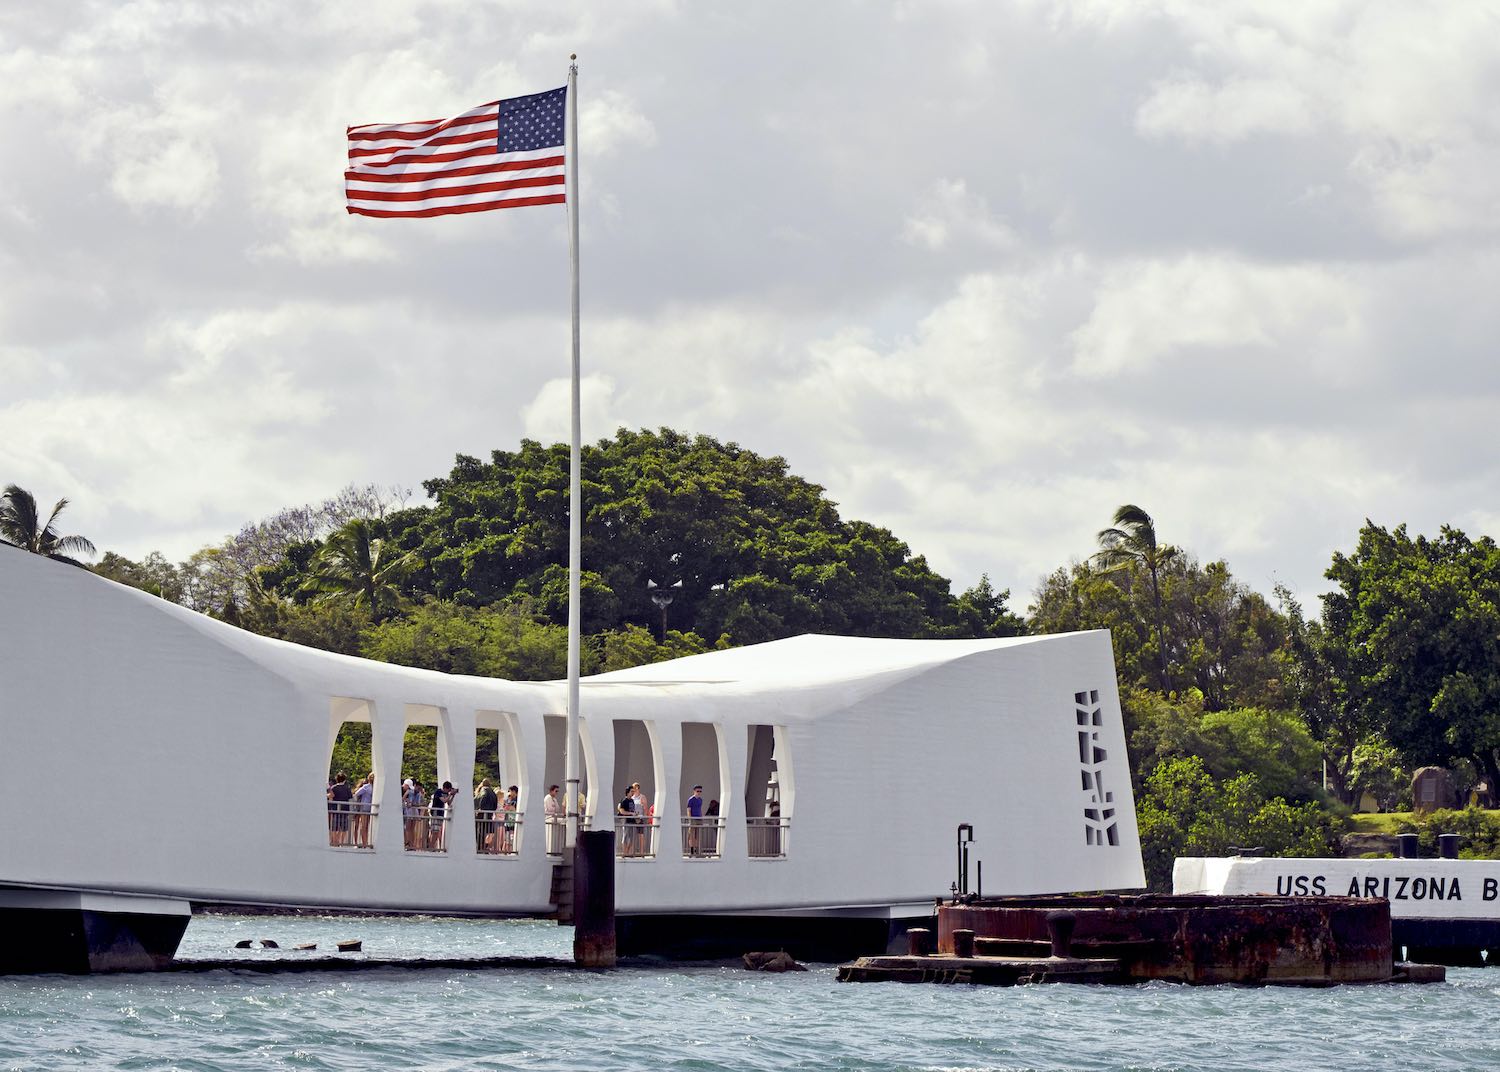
x: 760, y: 553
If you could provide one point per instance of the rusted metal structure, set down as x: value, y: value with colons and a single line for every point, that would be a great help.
x: 1198, y: 940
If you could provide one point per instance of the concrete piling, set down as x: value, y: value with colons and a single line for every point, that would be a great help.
x: 594, y: 899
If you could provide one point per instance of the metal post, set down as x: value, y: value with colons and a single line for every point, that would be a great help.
x: 965, y: 836
x: 575, y: 494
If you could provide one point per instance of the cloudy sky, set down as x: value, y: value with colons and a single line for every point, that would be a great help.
x: 983, y: 270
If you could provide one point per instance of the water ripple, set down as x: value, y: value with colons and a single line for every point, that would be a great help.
x: 699, y: 1018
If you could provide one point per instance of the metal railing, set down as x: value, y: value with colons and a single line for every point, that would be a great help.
x: 702, y: 836
x: 557, y: 831
x: 425, y: 829
x: 350, y: 824
x: 497, y: 832
x: 766, y: 837
x: 635, y: 836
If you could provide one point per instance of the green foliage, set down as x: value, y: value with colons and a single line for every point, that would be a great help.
x: 419, y: 756
x: 761, y: 553
x: 1184, y: 811
x: 1376, y: 769
x: 1274, y: 746
x: 152, y: 574
x: 1479, y: 829
x: 1417, y: 622
x: 351, y: 752
x: 358, y: 567
x: 1221, y: 638
x: 507, y: 641
x: 634, y: 646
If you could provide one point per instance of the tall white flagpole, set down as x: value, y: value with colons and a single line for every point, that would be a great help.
x: 575, y: 496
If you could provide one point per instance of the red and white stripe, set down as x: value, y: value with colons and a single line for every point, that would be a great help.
x: 446, y: 166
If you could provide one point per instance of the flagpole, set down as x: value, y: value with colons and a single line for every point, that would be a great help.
x: 575, y: 497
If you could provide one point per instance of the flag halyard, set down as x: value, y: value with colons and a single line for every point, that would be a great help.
x: 504, y: 154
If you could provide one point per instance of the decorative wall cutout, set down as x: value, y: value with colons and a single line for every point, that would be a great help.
x: 1099, y: 825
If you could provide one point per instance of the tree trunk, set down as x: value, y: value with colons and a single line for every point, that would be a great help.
x: 1161, y: 641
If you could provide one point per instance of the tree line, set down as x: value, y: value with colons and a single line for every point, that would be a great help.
x: 1235, y: 704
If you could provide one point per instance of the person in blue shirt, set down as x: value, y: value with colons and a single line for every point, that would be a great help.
x: 695, y: 819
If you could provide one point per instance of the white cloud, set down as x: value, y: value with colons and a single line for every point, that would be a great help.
x: 610, y: 121
x: 949, y: 212
x: 1148, y: 311
x: 548, y: 416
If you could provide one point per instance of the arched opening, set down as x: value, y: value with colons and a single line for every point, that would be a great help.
x: 636, y: 780
x: 351, y: 798
x: 769, y: 792
x: 555, y: 729
x: 702, y: 785
x: 500, y: 784
x: 426, y: 779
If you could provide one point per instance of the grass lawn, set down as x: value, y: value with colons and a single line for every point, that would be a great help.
x: 1372, y: 823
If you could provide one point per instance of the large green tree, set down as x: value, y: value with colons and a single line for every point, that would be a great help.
x: 1222, y: 639
x: 760, y: 553
x: 21, y: 524
x: 1416, y: 621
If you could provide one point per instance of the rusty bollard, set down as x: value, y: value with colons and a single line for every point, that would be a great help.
x: 919, y: 942
x: 963, y: 943
x: 1060, y: 930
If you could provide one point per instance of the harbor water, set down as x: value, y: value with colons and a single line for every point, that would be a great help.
x: 648, y: 1016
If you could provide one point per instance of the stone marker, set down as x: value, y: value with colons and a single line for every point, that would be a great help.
x: 354, y: 946
x: 308, y: 945
x: 1432, y: 788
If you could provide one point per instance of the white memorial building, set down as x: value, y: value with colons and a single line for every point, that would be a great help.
x: 155, y: 759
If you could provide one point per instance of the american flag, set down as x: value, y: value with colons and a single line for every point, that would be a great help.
x: 504, y: 154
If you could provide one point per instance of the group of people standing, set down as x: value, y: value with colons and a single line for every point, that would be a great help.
x: 424, y: 819
x: 349, y: 811
x: 636, y: 814
x: 495, y: 818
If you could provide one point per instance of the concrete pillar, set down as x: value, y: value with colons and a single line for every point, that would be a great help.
x: 594, y: 899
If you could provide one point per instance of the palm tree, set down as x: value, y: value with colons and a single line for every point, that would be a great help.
x: 355, y: 565
x: 22, y: 526
x: 1130, y: 543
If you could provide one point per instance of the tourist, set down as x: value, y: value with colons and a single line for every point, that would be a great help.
x: 711, y: 834
x: 552, y: 810
x: 486, y: 800
x: 412, y: 810
x: 626, y: 811
x: 339, y: 795
x: 511, y: 806
x: 694, y: 819
x: 363, y: 797
x: 642, y: 819
x: 439, y: 825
